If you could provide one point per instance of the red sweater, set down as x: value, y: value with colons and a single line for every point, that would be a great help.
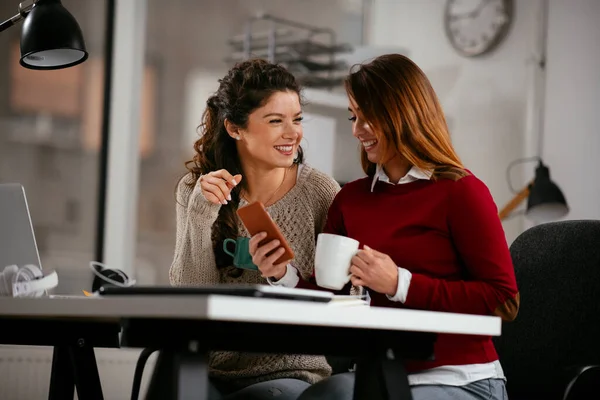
x: 448, y: 235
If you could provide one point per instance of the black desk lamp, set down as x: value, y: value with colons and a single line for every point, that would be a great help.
x: 545, y: 200
x: 51, y: 37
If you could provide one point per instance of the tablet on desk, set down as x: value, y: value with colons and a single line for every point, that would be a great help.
x: 261, y: 291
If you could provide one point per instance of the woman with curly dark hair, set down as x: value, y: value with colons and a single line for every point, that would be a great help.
x: 249, y: 150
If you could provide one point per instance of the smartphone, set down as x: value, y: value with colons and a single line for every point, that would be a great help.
x: 256, y: 219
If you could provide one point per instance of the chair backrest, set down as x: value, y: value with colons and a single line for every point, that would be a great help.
x: 557, y: 266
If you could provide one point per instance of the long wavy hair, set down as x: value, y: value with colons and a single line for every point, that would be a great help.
x: 397, y: 100
x: 246, y: 87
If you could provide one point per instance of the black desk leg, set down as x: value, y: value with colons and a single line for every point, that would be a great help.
x: 87, y: 379
x: 62, y: 381
x: 179, y: 376
x: 74, y: 367
x: 381, y: 377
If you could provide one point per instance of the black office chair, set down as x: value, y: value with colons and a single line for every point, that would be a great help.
x: 552, y: 349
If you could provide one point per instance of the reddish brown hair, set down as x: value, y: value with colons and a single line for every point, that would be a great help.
x: 397, y: 100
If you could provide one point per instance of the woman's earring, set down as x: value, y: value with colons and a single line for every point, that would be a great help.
x: 237, y: 137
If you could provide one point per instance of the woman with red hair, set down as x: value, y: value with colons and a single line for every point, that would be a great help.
x: 429, y: 231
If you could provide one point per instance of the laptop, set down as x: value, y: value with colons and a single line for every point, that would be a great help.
x: 261, y: 291
x: 17, y: 239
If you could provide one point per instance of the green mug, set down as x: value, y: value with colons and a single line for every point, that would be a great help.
x: 241, y: 253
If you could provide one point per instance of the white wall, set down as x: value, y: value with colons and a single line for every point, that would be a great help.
x: 485, y: 98
x: 336, y: 145
x: 124, y: 135
x: 319, y: 139
x: 572, y: 122
x: 200, y: 84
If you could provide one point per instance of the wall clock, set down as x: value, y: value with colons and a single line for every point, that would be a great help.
x: 476, y: 27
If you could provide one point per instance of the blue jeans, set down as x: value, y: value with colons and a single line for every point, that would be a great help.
x: 341, y: 387
x: 279, y: 389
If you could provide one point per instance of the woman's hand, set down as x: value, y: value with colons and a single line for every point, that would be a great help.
x: 266, y: 263
x: 216, y: 186
x: 375, y: 270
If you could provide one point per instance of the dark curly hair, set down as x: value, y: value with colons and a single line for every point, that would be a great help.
x: 246, y: 87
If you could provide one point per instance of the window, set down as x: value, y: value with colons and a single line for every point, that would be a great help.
x: 49, y: 135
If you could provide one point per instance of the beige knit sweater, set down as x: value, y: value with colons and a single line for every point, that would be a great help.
x: 300, y: 215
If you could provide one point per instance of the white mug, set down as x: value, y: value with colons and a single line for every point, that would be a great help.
x: 333, y: 259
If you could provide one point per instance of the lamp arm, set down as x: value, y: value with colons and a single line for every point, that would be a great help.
x: 24, y: 9
x: 514, y: 203
x: 514, y: 164
x: 10, y: 22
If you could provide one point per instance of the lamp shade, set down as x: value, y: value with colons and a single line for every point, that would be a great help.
x: 51, y: 38
x: 546, y: 201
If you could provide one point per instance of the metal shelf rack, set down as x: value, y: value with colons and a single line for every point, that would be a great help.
x: 307, y: 51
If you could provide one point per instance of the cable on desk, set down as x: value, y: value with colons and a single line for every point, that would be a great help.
x: 139, y: 372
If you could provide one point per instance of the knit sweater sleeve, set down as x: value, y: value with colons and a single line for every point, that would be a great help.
x: 489, y: 286
x: 335, y: 218
x: 194, y: 259
x: 334, y: 224
x: 323, y: 191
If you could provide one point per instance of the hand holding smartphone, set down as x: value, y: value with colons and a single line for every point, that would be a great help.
x: 255, y: 218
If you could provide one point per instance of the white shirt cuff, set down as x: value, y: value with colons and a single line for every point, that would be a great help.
x: 404, y: 277
x: 290, y: 279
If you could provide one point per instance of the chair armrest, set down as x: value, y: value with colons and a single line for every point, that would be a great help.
x: 582, y: 381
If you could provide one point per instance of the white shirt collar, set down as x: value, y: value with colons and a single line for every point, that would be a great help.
x: 413, y: 174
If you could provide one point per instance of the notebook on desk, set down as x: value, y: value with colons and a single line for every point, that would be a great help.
x: 260, y: 291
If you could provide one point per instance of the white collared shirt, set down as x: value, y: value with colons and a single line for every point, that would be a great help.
x: 413, y: 174
x: 452, y: 375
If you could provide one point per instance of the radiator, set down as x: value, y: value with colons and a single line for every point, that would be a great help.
x: 25, y: 372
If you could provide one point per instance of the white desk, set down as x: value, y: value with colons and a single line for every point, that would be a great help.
x: 255, y: 310
x: 213, y: 322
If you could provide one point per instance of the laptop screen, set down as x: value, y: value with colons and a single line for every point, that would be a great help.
x: 17, y: 240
